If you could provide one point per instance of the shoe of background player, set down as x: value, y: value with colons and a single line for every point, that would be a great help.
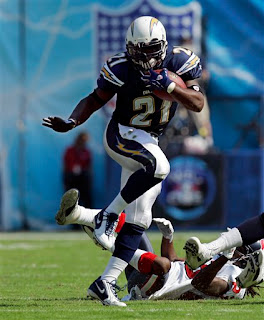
x: 253, y: 273
x: 104, y: 231
x: 68, y: 212
x: 196, y: 253
x: 105, y: 292
x: 134, y: 294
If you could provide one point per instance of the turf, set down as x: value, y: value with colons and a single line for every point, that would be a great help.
x: 46, y: 275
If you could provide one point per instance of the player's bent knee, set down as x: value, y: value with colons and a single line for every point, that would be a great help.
x: 162, y: 170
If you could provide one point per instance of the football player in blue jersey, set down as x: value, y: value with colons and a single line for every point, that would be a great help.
x: 132, y: 135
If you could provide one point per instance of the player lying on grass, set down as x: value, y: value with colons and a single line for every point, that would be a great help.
x: 168, y: 276
x: 247, y: 232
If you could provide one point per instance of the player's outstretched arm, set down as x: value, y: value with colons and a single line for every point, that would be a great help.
x: 206, y: 280
x: 87, y: 106
x: 167, y: 246
x: 168, y: 250
x: 84, y: 109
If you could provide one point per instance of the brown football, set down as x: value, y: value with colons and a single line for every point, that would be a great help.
x: 162, y: 94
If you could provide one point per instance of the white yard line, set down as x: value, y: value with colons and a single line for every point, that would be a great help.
x: 46, y: 236
x: 43, y: 236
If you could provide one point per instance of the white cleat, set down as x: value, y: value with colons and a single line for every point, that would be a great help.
x: 104, y: 291
x: 104, y: 231
x: 68, y: 212
x: 253, y: 273
x: 196, y: 253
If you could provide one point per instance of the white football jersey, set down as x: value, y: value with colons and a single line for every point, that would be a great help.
x: 178, y: 281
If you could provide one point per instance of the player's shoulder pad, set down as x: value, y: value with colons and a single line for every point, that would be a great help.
x: 112, y: 70
x: 186, y: 60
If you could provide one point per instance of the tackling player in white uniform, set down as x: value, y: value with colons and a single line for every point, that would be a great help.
x: 170, y: 277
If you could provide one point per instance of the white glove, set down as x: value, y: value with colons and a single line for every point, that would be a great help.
x: 165, y: 228
x: 229, y: 253
x: 196, y: 145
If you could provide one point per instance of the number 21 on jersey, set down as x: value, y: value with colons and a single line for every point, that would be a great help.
x: 148, y: 103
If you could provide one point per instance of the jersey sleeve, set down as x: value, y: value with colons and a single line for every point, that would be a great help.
x: 112, y: 73
x: 186, y: 63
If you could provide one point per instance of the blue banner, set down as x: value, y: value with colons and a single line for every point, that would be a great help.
x: 51, y: 53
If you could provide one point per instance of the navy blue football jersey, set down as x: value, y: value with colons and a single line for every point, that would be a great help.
x: 137, y: 106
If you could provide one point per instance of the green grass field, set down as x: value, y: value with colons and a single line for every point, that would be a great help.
x: 46, y: 275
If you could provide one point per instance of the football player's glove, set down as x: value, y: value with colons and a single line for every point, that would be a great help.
x: 229, y: 253
x: 197, y: 144
x: 58, y: 124
x: 158, y: 81
x: 165, y: 228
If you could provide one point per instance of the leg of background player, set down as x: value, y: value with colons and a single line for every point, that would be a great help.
x: 249, y: 231
x: 245, y: 233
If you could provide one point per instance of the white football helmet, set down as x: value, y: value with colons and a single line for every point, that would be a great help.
x: 146, y: 42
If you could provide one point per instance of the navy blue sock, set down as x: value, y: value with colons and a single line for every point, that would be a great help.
x: 130, y: 271
x: 137, y: 184
x: 128, y: 241
x: 252, y: 229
